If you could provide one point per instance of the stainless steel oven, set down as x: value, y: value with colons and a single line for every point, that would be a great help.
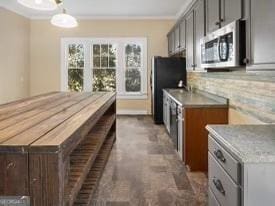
x: 224, y: 47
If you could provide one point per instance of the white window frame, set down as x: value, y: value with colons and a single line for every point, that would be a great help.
x: 120, y: 69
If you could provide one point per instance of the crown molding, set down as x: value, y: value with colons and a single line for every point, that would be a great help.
x: 15, y: 11
x: 112, y: 17
x: 181, y: 11
x: 187, y: 4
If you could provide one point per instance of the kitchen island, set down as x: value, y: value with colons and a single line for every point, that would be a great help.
x: 53, y: 147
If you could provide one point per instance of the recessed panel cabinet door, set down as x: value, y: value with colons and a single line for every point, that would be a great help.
x: 171, y: 43
x: 213, y: 15
x: 199, y: 32
x: 177, y: 38
x: 190, y: 41
x: 231, y: 10
x: 182, y: 34
x: 262, y: 28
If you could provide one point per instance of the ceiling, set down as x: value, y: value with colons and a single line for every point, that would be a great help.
x: 154, y: 9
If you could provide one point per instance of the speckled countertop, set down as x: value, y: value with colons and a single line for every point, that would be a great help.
x: 247, y: 143
x: 196, y: 98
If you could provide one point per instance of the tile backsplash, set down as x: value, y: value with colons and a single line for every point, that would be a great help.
x: 250, y: 93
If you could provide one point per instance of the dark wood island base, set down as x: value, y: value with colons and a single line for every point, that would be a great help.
x: 54, y: 147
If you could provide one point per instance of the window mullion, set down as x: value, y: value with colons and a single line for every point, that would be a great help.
x: 87, y: 67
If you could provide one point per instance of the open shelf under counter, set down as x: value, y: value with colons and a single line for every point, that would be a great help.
x: 85, y: 195
x: 83, y: 157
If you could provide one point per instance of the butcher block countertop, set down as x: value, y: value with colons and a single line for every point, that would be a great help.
x: 47, y: 120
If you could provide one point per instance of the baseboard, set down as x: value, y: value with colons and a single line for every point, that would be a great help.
x: 132, y: 112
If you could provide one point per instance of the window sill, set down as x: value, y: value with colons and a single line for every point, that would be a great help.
x: 132, y: 96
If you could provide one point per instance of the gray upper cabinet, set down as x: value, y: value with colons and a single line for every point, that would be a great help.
x: 190, y: 65
x: 199, y: 19
x: 213, y: 15
x: 182, y: 34
x: 171, y: 43
x: 222, y: 12
x: 177, y: 38
x: 231, y: 10
x: 260, y: 31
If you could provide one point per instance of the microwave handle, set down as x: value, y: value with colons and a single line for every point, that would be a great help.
x: 227, y: 50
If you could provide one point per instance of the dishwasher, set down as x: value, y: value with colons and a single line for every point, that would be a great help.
x: 180, y: 121
x: 174, y: 124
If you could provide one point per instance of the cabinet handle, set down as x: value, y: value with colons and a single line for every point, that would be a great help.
x: 218, y: 185
x: 222, y: 20
x: 217, y: 23
x: 218, y: 153
x: 246, y: 61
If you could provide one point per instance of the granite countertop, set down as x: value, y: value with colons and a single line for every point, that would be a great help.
x: 196, y: 98
x: 247, y: 143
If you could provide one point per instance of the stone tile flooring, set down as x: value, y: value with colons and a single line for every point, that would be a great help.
x: 144, y: 170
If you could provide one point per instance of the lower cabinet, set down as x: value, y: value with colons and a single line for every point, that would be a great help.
x: 236, y: 183
x: 195, y: 134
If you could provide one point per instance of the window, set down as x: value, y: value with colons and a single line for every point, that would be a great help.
x: 96, y: 64
x: 104, y: 58
x: 133, y: 68
x: 75, y: 67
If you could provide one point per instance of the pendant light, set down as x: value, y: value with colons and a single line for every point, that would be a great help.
x: 44, y: 5
x: 64, y: 20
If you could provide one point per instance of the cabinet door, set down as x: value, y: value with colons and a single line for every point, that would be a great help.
x: 262, y: 30
x: 171, y: 43
x: 190, y: 41
x: 177, y: 38
x: 231, y: 10
x: 213, y: 15
x: 199, y: 32
x: 182, y: 34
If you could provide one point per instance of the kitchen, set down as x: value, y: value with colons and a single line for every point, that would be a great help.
x: 178, y: 109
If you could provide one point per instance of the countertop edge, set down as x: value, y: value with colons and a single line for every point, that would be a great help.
x: 227, y: 146
x: 234, y: 152
x: 218, y: 105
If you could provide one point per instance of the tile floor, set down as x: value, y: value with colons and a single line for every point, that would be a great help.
x: 144, y: 170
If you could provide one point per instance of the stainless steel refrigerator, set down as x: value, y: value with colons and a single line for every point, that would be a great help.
x: 166, y: 73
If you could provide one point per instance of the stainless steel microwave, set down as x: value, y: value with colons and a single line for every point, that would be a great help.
x: 225, y: 47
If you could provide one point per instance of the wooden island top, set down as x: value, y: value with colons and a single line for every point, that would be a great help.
x: 49, y: 144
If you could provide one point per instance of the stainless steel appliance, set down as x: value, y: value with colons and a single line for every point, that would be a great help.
x: 180, y: 121
x: 166, y: 111
x: 224, y: 47
x: 166, y: 73
x: 174, y: 123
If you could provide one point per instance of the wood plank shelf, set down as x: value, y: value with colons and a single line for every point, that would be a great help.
x: 84, y: 155
x: 85, y: 195
x: 61, y: 144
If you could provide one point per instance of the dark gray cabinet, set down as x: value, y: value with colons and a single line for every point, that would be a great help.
x: 177, y: 38
x: 190, y: 64
x: 231, y: 10
x: 213, y: 15
x: 222, y: 12
x: 171, y: 43
x: 199, y: 21
x: 182, y: 34
x: 260, y: 31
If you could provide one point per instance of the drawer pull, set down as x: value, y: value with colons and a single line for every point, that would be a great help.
x: 218, y: 153
x: 218, y: 185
